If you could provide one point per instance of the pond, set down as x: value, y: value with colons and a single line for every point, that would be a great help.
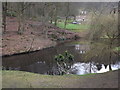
x: 43, y: 62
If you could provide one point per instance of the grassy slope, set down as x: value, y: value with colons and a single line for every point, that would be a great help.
x: 73, y: 27
x: 19, y: 79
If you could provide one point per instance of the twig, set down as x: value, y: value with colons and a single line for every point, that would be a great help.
x: 31, y: 45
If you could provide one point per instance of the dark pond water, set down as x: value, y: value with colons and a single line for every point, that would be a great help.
x: 43, y: 61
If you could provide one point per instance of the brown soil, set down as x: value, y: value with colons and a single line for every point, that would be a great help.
x: 35, y: 37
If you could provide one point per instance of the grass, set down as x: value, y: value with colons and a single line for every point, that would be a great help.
x: 73, y: 27
x: 21, y: 79
x: 80, y: 42
x: 117, y: 49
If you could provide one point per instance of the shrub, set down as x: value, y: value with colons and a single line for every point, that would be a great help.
x: 64, y: 62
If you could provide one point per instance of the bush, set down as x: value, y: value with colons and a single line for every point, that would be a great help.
x: 11, y: 13
x: 64, y: 62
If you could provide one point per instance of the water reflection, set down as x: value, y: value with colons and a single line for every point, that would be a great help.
x: 77, y: 68
x: 85, y: 68
x: 81, y: 48
x: 43, y: 61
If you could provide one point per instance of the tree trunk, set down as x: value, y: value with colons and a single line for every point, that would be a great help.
x: 65, y: 22
x: 21, y: 20
x: 110, y: 54
x: 4, y: 16
x: 67, y: 15
x: 55, y: 21
x: 90, y: 67
x: 20, y: 25
x: 105, y: 66
x: 74, y: 17
x: 110, y: 68
x: 51, y: 21
x: 110, y: 57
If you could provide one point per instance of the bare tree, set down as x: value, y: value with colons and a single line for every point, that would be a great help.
x: 103, y: 35
x: 21, y: 16
x: 67, y: 13
x: 19, y: 9
x: 4, y: 15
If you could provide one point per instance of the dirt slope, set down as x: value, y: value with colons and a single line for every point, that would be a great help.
x: 35, y: 37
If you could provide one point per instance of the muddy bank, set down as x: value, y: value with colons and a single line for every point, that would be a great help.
x: 19, y: 45
x: 36, y: 36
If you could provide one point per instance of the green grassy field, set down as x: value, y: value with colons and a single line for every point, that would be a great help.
x: 20, y: 79
x: 74, y: 27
